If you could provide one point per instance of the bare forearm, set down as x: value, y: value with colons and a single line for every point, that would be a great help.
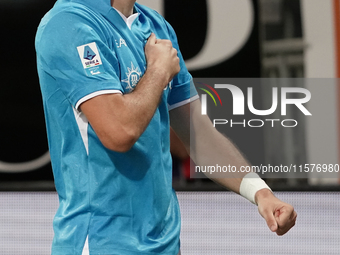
x: 207, y: 147
x: 139, y: 106
x: 119, y: 120
x: 211, y: 149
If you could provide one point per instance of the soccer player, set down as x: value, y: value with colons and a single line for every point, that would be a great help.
x: 112, y: 77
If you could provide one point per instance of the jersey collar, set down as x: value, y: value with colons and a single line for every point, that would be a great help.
x: 104, y: 8
x: 128, y: 20
x: 101, y: 6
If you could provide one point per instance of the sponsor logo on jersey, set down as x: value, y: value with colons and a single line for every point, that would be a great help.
x: 133, y: 76
x: 120, y: 43
x: 90, y: 58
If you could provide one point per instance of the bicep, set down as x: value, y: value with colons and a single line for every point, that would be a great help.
x: 186, y: 121
x: 103, y: 114
x: 180, y: 123
x: 97, y: 110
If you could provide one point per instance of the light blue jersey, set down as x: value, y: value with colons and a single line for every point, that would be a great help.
x: 123, y: 202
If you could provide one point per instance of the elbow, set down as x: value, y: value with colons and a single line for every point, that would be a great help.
x: 119, y: 142
x: 117, y: 147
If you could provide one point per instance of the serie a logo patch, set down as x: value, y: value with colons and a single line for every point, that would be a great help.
x: 90, y: 58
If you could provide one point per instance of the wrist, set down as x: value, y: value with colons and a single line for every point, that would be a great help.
x: 262, y: 194
x: 159, y: 74
x: 250, y: 185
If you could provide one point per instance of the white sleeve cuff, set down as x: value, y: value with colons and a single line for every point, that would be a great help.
x: 94, y: 94
x: 171, y: 107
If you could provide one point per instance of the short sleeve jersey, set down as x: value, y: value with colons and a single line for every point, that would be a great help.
x: 123, y: 202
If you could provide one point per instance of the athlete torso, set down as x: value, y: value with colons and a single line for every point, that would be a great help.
x: 123, y: 202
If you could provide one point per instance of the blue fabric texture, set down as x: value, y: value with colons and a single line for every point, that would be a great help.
x: 123, y: 202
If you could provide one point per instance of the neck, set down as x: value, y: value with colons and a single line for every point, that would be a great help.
x: 124, y: 6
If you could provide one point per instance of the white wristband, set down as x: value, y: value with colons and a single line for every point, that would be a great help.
x: 250, y: 184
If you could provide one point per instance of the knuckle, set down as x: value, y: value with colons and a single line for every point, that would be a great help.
x: 280, y: 232
x: 290, y: 208
x: 169, y: 43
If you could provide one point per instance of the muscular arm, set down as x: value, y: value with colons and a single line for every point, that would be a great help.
x: 119, y: 120
x: 209, y: 147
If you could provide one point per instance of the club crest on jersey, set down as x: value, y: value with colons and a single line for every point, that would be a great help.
x: 90, y: 58
x: 133, y: 76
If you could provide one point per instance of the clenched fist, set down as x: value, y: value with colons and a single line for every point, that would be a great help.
x: 161, y: 57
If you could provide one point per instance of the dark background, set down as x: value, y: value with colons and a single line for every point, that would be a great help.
x: 22, y: 129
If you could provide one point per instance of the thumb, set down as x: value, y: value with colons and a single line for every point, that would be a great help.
x: 270, y: 219
x: 152, y: 39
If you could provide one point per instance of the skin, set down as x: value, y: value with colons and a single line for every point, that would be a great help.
x: 124, y: 6
x: 209, y: 147
x: 123, y: 118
